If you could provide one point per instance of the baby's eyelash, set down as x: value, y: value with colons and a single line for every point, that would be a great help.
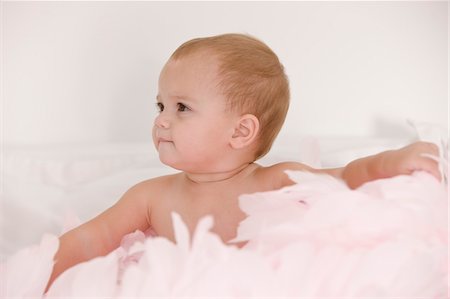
x: 160, y: 107
x: 182, y: 107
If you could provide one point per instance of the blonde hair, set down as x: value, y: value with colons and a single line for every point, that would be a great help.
x: 251, y: 77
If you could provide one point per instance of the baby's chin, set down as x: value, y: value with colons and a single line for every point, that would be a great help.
x: 183, y: 166
x: 169, y: 156
x: 170, y: 159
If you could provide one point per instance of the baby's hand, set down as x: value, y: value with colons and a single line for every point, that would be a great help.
x: 409, y: 159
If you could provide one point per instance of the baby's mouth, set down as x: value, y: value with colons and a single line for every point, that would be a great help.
x: 163, y: 141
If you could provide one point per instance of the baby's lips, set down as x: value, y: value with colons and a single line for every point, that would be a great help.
x: 160, y: 139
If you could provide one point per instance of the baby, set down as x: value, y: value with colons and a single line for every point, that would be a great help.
x: 222, y: 101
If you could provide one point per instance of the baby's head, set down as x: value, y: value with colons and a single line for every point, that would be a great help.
x: 251, y: 78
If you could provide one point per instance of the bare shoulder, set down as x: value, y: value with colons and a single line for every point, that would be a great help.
x: 277, y: 173
x: 148, y: 190
x: 131, y: 211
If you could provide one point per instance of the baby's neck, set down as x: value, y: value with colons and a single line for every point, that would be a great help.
x: 220, y: 177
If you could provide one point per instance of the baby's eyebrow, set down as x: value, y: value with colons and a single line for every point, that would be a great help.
x: 182, y: 98
x: 177, y: 98
x: 185, y: 99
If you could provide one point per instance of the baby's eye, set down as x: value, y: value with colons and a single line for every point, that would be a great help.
x: 160, y: 107
x: 182, y: 107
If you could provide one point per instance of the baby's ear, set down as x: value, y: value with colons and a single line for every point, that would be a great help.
x: 245, y: 132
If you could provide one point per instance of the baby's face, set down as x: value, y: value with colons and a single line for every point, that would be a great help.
x: 193, y: 128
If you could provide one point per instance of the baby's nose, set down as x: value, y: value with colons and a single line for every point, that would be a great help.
x: 162, y: 121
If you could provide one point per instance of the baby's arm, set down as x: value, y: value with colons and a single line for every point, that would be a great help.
x: 391, y: 163
x: 103, y: 234
x: 383, y: 165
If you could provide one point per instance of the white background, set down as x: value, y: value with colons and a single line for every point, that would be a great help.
x: 86, y: 72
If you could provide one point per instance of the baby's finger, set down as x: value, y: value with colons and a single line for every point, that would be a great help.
x: 430, y: 164
x: 429, y: 148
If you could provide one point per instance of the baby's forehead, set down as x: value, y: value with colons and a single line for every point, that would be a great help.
x: 202, y: 62
x: 196, y: 70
